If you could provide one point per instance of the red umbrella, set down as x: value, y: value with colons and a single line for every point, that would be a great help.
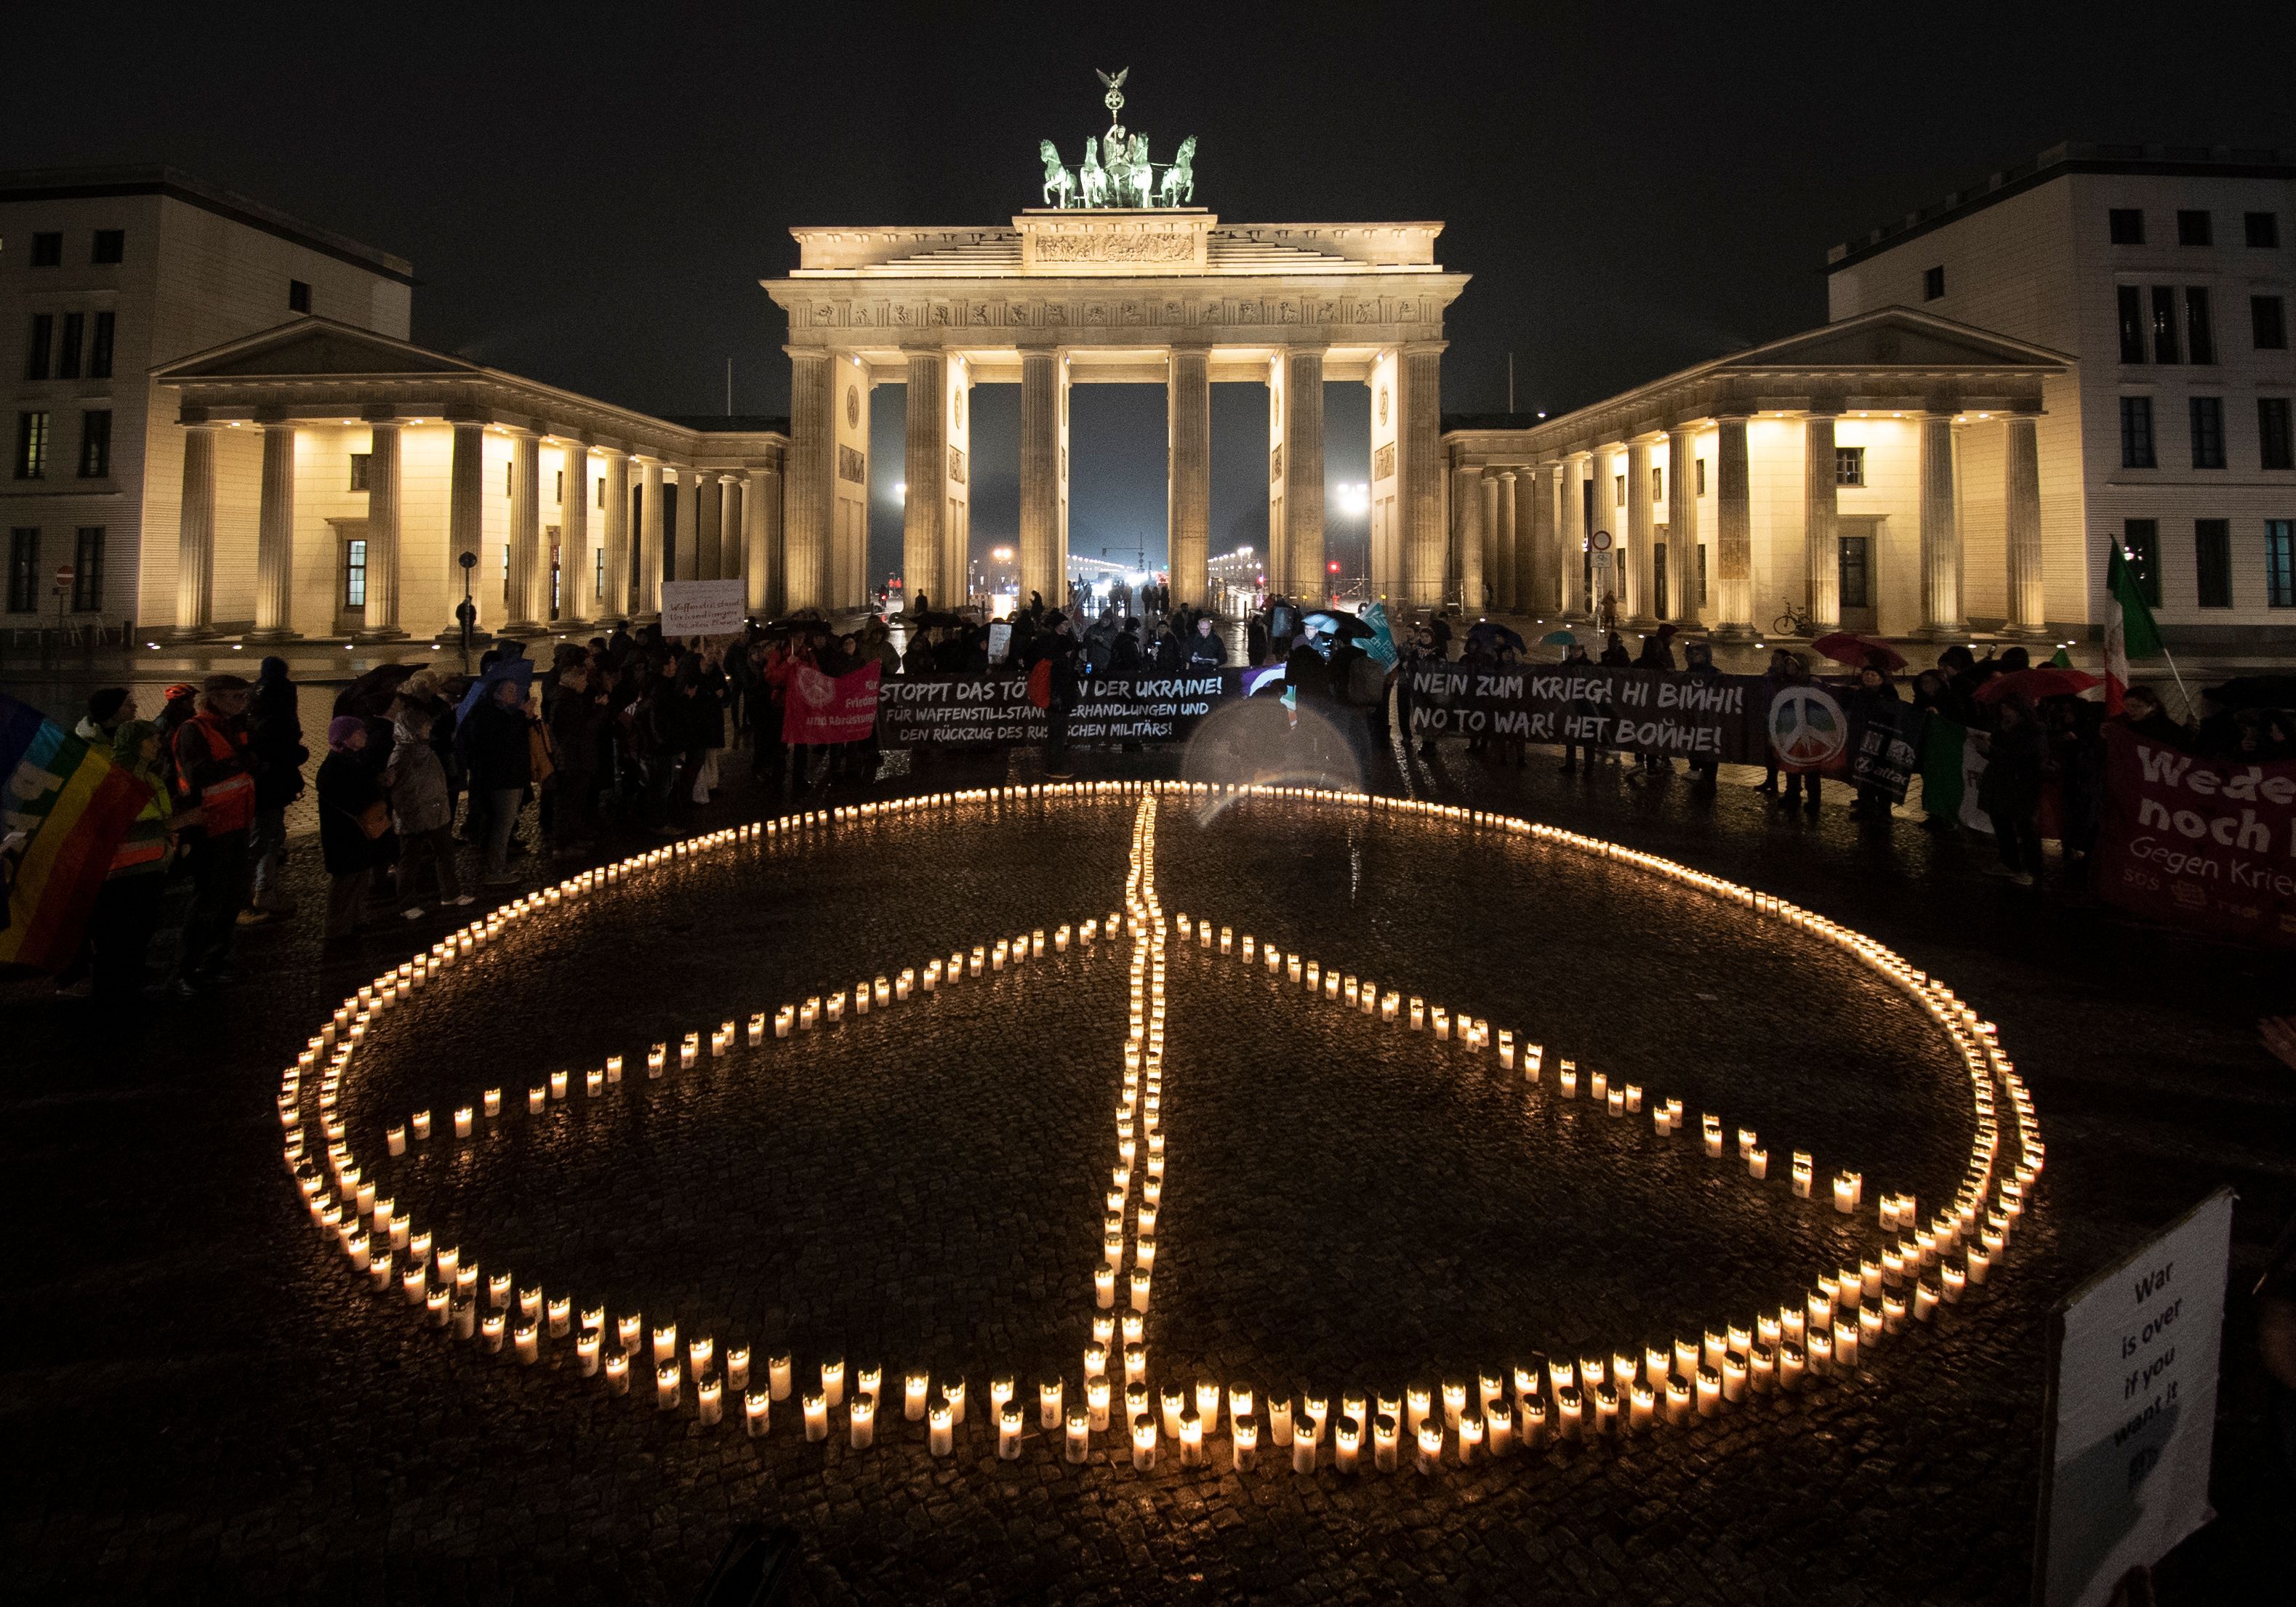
x: 1845, y: 647
x: 2037, y: 684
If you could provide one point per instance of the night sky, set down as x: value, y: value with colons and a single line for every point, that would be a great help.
x: 590, y: 194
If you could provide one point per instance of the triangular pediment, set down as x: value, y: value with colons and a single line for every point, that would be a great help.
x: 313, y: 347
x: 1894, y: 337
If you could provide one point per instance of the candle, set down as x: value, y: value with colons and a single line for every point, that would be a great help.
x: 832, y: 1383
x: 1095, y: 1400
x: 952, y: 1395
x: 757, y: 1408
x: 1279, y: 1422
x: 1103, y: 1283
x: 669, y: 1386
x: 1471, y: 1437
x: 561, y: 1316
x: 1792, y: 1361
x: 1455, y: 1402
x: 1430, y: 1447
x: 1385, y: 1431
x: 558, y: 1085
x: 462, y: 1121
x: 493, y: 1329
x: 617, y: 1369
x: 394, y: 1140
x: 1925, y: 1301
x: 586, y: 1349
x: 1347, y: 1443
x: 664, y: 1341
x: 1135, y: 1363
x: 710, y: 1397
x: 737, y: 1366
x: 1762, y: 1368
x: 816, y: 1408
x: 1008, y: 1434
x: 613, y: 1069
x: 1048, y: 1403
x: 434, y: 1303
x: 1079, y: 1438
x: 861, y: 1422
x: 1175, y: 1403
x: 914, y: 1388
x: 1570, y: 1411
x: 1243, y: 1441
x: 1305, y: 1444
x: 1143, y: 1443
x: 534, y: 1099
x: 872, y: 1381
x: 1208, y: 1404
x: 422, y: 1123
x: 1192, y: 1441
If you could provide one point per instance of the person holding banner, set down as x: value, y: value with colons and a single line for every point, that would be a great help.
x: 215, y: 770
x: 2010, y: 790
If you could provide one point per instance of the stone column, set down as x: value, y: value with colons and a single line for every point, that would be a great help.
x: 1188, y: 407
x: 195, y: 536
x: 1820, y: 502
x: 806, y: 488
x: 925, y: 460
x: 274, y: 537
x: 1514, y: 567
x: 1570, y: 493
x: 577, y: 582
x: 709, y: 559
x: 1940, y: 531
x: 733, y: 551
x: 2022, y: 458
x: 383, y: 572
x: 529, y: 604
x: 1541, y: 567
x: 1681, y: 524
x: 1040, y: 478
x: 695, y: 493
x: 1420, y: 437
x: 614, y: 601
x: 1467, y: 511
x: 647, y: 608
x: 1303, y: 475
x: 758, y: 491
x: 1733, y: 533
x: 1642, y: 539
x: 466, y: 519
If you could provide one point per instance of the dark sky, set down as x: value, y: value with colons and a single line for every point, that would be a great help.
x: 589, y: 194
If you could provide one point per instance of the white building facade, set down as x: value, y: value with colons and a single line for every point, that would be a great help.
x: 2167, y: 273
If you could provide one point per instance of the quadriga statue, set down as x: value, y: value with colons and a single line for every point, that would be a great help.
x: 1179, y: 187
x: 1092, y: 178
x: 1060, y: 183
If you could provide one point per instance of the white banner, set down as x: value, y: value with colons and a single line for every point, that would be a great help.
x: 702, y: 607
x: 2132, y: 1421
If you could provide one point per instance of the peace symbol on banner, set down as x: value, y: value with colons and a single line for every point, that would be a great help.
x: 1806, y: 727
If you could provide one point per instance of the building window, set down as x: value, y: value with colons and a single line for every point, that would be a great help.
x: 2128, y: 226
x: 602, y: 491
x: 95, y: 443
x: 298, y: 296
x: 1933, y: 284
x: 23, y: 571
x: 2268, y: 323
x: 1701, y: 486
x: 99, y: 350
x: 32, y: 446
x: 1621, y: 491
x: 87, y: 570
x: 2212, y: 561
x: 559, y: 495
x: 47, y: 250
x: 599, y: 553
x: 40, y: 347
x: 2140, y: 544
x: 2275, y: 448
x: 2199, y: 331
x: 353, y: 575
x: 2279, y: 563
x: 2164, y: 325
x: 68, y: 352
x: 1850, y: 465
x: 2192, y: 228
x: 1658, y: 485
x: 2208, y: 432
x: 507, y: 468
x: 2132, y: 324
x: 359, y: 460
x: 2136, y: 432
x: 1854, y: 573
x: 2263, y: 230
x: 505, y: 575
x: 111, y: 246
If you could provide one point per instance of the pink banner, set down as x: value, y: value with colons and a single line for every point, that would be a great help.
x: 824, y: 708
x: 2208, y: 843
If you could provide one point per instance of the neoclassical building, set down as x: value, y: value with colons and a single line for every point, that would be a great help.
x: 1880, y: 473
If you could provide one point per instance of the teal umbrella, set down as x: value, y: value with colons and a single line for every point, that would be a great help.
x: 1558, y: 639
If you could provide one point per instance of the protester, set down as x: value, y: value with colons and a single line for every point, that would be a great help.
x: 126, y: 911
x: 353, y: 817
x: 1874, y: 701
x: 215, y: 771
x: 1805, y: 787
x: 2010, y: 790
x: 1058, y: 655
x: 577, y: 719
x: 502, y: 765
x: 274, y: 738
x: 109, y: 709
x: 421, y: 808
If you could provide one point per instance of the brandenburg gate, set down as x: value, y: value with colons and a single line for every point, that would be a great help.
x: 1115, y: 279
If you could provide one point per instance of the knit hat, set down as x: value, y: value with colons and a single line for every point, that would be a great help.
x: 104, y: 702
x: 341, y: 729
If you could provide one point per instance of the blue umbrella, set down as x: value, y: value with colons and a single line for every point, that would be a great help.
x: 520, y: 669
x: 1558, y: 639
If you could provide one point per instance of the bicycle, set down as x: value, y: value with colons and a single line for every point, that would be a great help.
x: 1794, y: 622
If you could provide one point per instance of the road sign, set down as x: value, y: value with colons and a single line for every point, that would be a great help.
x: 63, y: 574
x: 1600, y: 542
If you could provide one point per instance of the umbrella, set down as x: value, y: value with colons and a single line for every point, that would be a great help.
x: 1495, y: 633
x: 1345, y: 627
x: 369, y: 697
x: 1558, y: 639
x: 2037, y: 684
x: 930, y: 618
x: 1847, y: 647
x: 520, y: 670
x: 2255, y: 692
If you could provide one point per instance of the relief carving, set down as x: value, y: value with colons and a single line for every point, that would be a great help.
x: 852, y: 466
x: 1383, y: 463
x: 1115, y: 248
x: 957, y: 464
x: 1275, y: 462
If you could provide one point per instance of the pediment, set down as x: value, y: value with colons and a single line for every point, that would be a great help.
x: 1894, y: 337
x: 312, y: 348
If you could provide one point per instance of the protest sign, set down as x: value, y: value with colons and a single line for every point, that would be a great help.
x: 702, y: 607
x: 1886, y: 757
x: 1641, y: 711
x: 2131, y: 1414
x: 979, y: 710
x: 2205, y: 844
x: 824, y: 708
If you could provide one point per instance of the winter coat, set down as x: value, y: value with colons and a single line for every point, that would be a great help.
x: 346, y: 787
x: 1205, y: 652
x: 2010, y: 785
x: 275, y: 738
x: 574, y: 725
x: 501, y: 757
x: 420, y: 800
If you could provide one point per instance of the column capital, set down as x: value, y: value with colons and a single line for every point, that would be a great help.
x: 1424, y: 348
x: 196, y: 418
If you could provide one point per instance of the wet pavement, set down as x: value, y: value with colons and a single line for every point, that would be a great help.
x: 219, y: 1411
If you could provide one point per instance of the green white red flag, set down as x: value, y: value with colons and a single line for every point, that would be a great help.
x: 2130, y: 632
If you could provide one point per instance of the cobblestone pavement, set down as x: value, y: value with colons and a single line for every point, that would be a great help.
x: 208, y: 1407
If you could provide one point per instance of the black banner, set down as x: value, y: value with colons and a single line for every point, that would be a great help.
x: 1638, y: 711
x: 974, y: 710
x: 1887, y: 756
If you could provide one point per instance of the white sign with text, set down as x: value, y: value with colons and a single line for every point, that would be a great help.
x: 702, y: 607
x: 2133, y: 1395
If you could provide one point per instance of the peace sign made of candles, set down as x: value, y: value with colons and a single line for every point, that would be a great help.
x: 1916, y: 1265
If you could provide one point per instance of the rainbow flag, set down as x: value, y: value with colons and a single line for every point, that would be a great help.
x: 75, y: 805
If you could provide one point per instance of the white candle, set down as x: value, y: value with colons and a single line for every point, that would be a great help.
x: 915, y: 1388
x: 558, y: 1085
x: 617, y: 1369
x: 664, y: 1342
x: 1143, y: 1443
x: 669, y: 1386
x: 1097, y: 1392
x: 462, y: 1122
x: 816, y: 1417
x: 1008, y: 1434
x: 861, y: 1422
x: 1279, y: 1423
x: 1430, y: 1447
x: 1078, y: 1446
x: 942, y: 1429
x: 533, y: 1100
x: 832, y: 1381
x: 952, y: 1395
x: 561, y: 1316
x: 710, y: 1397
x: 780, y: 1375
x: 421, y: 1124
x: 737, y: 1367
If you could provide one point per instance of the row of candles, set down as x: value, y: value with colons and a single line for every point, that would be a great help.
x: 1691, y: 1379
